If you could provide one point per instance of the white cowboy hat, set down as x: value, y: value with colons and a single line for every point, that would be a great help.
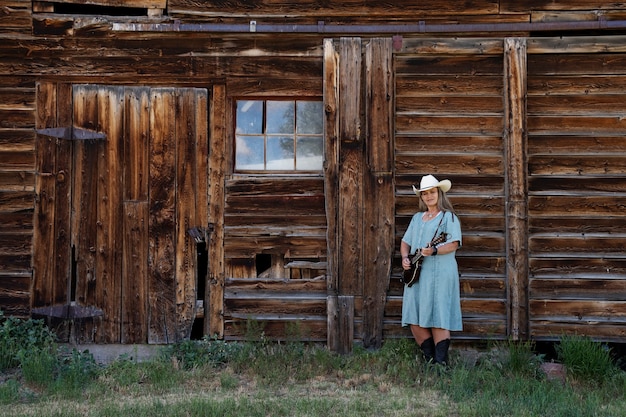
x: 429, y: 182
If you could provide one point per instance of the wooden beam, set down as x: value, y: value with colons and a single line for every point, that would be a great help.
x: 214, y: 298
x: 515, y: 142
x: 378, y: 219
x: 350, y: 211
x: 331, y: 159
x: 161, y: 258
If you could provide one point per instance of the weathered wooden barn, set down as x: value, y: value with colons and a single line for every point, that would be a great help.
x: 174, y: 168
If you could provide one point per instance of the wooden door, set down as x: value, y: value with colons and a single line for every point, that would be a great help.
x: 118, y: 221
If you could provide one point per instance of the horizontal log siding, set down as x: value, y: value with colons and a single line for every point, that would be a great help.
x: 577, y: 191
x: 17, y: 190
x: 285, y: 219
x: 449, y: 121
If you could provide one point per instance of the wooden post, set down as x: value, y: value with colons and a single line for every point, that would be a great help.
x: 340, y: 323
x: 350, y: 213
x: 214, y: 300
x: 344, y: 184
x: 379, y: 219
x: 331, y: 160
x: 161, y: 259
x: 515, y: 143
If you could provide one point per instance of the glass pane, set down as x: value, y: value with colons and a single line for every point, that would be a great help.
x: 310, y: 117
x: 249, y: 153
x: 249, y: 117
x: 280, y: 153
x: 280, y: 116
x: 309, y: 153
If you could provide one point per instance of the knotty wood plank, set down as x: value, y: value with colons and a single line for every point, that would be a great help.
x: 214, y: 299
x: 586, y: 145
x: 570, y: 288
x: 44, y: 267
x: 423, y: 85
x: 109, y: 213
x: 84, y: 207
x: 475, y: 104
x: 378, y: 227
x: 466, y: 65
x: 331, y: 163
x: 455, y: 124
x: 161, y: 259
x: 137, y: 128
x: 574, y: 165
x: 582, y: 105
x: 341, y: 329
x: 576, y: 246
x: 515, y: 141
x: 135, y: 272
x: 64, y: 174
x: 186, y: 189
x: 446, y: 144
x: 610, y: 331
x: 576, y: 64
x: 343, y: 8
x: 351, y: 130
x: 576, y: 206
x: 149, y: 4
x: 578, y: 267
x: 465, y: 164
x: 513, y: 6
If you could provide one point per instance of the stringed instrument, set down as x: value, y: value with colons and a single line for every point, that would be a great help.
x: 411, y: 276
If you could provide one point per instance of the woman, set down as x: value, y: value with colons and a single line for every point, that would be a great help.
x: 432, y: 306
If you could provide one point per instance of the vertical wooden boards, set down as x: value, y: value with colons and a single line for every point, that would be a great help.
x: 64, y: 173
x: 44, y: 267
x: 135, y: 272
x: 136, y: 216
x: 378, y: 212
x: 136, y: 147
x: 340, y: 323
x: 162, y: 255
x: 214, y: 300
x: 84, y: 223
x: 515, y: 142
x: 186, y: 189
x: 109, y: 221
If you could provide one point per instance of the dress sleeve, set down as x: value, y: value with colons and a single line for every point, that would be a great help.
x: 453, y: 228
x: 410, y: 232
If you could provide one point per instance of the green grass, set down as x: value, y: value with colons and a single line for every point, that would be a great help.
x: 217, y: 378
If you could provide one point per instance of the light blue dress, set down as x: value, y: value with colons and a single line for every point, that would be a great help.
x: 434, y: 301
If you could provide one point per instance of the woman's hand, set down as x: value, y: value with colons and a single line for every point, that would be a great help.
x: 406, y: 262
x: 429, y: 251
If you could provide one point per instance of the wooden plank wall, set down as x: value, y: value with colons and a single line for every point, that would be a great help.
x: 449, y: 122
x: 450, y: 115
x: 577, y: 188
x: 17, y: 164
x: 133, y: 197
x: 282, y: 217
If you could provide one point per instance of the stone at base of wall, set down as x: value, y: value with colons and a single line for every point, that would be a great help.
x: 105, y: 354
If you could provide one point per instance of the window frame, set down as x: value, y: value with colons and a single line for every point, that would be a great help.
x: 275, y: 172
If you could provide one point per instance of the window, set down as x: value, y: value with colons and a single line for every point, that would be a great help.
x: 279, y: 135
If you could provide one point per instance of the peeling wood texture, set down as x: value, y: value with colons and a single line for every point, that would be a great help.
x: 529, y: 129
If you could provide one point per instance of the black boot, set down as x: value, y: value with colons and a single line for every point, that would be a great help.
x: 441, y: 352
x: 428, y: 349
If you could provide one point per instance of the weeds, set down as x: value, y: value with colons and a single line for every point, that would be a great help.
x: 258, y: 377
x: 585, y: 359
